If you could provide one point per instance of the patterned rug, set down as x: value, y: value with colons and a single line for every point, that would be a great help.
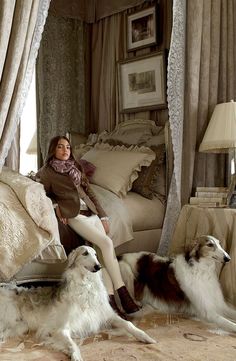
x: 178, y: 339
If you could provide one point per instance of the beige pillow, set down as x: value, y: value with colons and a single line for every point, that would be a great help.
x: 117, y: 167
x: 151, y: 180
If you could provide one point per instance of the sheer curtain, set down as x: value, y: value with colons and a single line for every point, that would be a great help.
x: 21, y: 26
x: 175, y: 92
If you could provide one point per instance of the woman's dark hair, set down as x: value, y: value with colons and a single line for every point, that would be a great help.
x: 51, y: 153
x: 52, y: 147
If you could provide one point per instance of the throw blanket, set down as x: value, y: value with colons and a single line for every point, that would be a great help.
x: 120, y: 223
x: 28, y: 226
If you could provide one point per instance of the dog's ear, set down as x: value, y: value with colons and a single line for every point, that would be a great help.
x: 71, y: 258
x: 192, y: 251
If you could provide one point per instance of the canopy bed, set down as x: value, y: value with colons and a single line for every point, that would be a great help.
x: 130, y: 176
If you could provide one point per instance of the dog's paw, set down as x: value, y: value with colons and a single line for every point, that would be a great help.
x: 76, y: 357
x: 149, y: 339
x: 143, y: 337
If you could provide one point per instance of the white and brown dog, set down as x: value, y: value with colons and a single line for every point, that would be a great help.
x: 187, y: 283
x: 78, y: 307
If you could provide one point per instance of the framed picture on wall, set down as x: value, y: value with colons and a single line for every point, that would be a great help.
x: 142, y: 83
x: 141, y: 29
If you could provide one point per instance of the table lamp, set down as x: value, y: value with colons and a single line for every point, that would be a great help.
x: 220, y: 136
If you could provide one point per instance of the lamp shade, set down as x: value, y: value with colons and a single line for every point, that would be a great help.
x: 220, y: 135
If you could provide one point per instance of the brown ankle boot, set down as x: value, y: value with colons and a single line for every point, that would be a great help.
x: 113, y: 304
x: 126, y: 300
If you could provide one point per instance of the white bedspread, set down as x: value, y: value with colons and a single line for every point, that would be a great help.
x: 120, y: 221
x: 27, y: 224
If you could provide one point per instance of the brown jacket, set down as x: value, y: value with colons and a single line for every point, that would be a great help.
x: 61, y: 189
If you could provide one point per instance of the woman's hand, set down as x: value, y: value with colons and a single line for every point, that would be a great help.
x: 105, y: 224
x: 58, y: 213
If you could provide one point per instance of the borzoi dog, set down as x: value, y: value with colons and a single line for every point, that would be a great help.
x: 187, y: 283
x: 78, y: 307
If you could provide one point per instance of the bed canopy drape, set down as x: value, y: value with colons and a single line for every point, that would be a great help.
x: 175, y: 93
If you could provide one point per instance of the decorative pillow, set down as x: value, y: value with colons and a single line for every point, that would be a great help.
x: 80, y: 150
x: 76, y: 138
x: 129, y: 138
x: 159, y: 187
x: 117, y: 167
x: 146, y: 182
x: 156, y: 139
x: 134, y: 131
x: 151, y: 180
x: 115, y: 142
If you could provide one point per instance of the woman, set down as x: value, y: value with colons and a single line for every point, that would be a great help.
x: 76, y: 205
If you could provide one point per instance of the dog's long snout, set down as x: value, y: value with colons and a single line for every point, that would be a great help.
x: 227, y: 258
x: 97, y: 267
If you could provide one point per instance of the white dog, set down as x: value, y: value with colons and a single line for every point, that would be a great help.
x: 187, y: 283
x: 79, y: 307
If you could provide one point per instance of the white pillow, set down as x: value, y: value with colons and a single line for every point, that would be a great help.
x: 79, y: 150
x: 117, y: 167
x: 134, y: 131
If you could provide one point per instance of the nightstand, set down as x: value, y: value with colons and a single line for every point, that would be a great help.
x: 195, y: 221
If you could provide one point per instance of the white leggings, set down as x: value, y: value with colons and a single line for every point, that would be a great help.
x: 91, y: 229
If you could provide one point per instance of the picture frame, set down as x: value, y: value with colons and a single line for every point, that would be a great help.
x: 142, y: 83
x: 141, y: 29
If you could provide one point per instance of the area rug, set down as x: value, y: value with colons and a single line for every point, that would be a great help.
x: 178, y: 338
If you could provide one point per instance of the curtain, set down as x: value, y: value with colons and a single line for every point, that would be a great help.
x: 210, y: 79
x: 21, y: 25
x: 108, y: 46
x: 62, y: 79
x: 175, y: 92
x: 13, y: 157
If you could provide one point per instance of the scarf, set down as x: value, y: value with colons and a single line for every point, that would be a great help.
x: 67, y: 166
